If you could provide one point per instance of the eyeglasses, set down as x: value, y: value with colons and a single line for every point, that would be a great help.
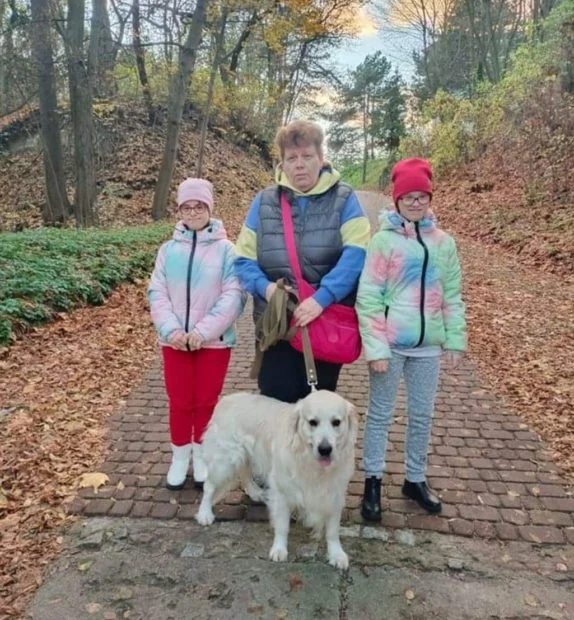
x: 409, y: 201
x: 200, y: 208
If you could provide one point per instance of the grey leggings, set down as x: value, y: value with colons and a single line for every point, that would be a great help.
x: 421, y: 379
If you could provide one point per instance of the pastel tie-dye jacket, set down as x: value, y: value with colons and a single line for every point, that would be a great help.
x: 410, y: 289
x: 193, y: 286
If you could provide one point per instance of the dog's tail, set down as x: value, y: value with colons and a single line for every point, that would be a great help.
x: 255, y: 491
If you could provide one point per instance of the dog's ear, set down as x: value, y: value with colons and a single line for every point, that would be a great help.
x: 296, y: 415
x: 353, y: 422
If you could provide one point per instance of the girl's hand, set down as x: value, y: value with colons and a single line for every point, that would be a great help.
x: 453, y: 359
x: 307, y: 311
x: 178, y: 340
x: 194, y: 341
x: 379, y: 365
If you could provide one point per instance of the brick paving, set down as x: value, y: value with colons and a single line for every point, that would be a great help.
x: 496, y: 477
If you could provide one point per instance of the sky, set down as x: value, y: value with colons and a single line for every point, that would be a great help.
x: 396, y: 44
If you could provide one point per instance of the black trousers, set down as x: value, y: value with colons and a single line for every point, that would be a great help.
x: 283, y: 376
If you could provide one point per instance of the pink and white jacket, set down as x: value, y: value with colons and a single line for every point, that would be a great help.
x: 193, y: 286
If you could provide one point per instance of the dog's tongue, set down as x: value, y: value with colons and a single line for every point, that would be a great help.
x: 324, y: 461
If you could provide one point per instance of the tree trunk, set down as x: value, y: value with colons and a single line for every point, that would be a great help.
x: 211, y: 87
x: 3, y: 67
x: 140, y: 61
x: 567, y: 73
x: 231, y: 70
x: 82, y: 121
x: 7, y: 99
x: 177, y: 95
x: 58, y: 207
x: 365, y: 137
x: 101, y: 53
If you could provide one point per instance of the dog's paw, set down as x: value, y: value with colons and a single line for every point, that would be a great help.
x: 278, y: 553
x: 339, y: 559
x: 205, y: 516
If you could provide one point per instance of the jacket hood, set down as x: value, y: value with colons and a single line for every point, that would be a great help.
x: 327, y: 178
x: 393, y: 220
x: 213, y: 232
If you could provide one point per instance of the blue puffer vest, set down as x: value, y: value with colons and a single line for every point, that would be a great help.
x: 317, y: 236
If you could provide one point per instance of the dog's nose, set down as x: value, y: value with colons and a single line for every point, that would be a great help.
x: 325, y: 449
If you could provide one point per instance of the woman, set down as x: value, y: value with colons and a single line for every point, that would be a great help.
x: 331, y: 233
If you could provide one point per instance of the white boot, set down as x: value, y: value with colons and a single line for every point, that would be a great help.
x: 181, y: 455
x: 199, y: 466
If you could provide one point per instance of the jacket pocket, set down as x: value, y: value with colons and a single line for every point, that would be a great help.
x: 435, y: 333
x: 403, y: 325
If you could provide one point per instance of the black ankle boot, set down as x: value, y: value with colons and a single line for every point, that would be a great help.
x: 371, y: 506
x: 422, y: 495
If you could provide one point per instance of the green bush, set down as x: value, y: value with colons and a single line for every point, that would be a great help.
x: 449, y: 130
x: 46, y: 271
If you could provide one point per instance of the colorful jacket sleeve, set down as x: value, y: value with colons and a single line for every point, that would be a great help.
x: 228, y: 307
x: 370, y: 307
x: 355, y: 233
x: 162, y: 314
x: 453, y: 306
x: 251, y: 276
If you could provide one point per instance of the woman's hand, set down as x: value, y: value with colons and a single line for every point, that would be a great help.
x: 178, y: 340
x: 379, y: 365
x: 307, y: 311
x: 453, y: 359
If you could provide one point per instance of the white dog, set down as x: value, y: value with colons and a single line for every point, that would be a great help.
x: 305, y: 453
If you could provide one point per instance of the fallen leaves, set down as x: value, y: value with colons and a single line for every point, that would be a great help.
x: 295, y: 582
x: 521, y: 335
x: 129, y: 175
x: 531, y: 600
x: 55, y: 439
x: 93, y: 608
x: 94, y: 479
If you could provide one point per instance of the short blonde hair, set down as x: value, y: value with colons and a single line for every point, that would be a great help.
x: 299, y: 133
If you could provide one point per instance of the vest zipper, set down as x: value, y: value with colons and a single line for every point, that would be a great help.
x: 423, y: 279
x: 188, y: 288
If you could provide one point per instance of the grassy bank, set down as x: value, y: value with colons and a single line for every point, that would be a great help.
x: 354, y: 174
x: 46, y: 271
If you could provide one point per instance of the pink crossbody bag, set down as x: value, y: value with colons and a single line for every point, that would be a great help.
x: 334, y: 335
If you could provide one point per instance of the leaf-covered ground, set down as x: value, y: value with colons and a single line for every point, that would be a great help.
x: 521, y: 332
x: 60, y: 384
x: 58, y: 387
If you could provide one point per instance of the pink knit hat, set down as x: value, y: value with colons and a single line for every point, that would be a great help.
x: 195, y: 189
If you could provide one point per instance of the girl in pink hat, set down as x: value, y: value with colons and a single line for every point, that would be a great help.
x: 195, y: 299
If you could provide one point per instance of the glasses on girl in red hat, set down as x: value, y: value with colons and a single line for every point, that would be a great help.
x: 409, y: 199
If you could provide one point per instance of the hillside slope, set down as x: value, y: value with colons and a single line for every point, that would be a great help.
x: 130, y: 155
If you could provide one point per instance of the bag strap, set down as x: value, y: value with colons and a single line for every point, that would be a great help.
x: 310, y: 369
x: 289, y: 235
x: 273, y: 325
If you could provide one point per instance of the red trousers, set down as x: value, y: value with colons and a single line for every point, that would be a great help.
x: 193, y: 381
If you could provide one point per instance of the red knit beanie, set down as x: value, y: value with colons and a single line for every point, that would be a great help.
x: 411, y: 175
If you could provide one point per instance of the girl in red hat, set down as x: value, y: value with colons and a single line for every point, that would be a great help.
x: 411, y: 314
